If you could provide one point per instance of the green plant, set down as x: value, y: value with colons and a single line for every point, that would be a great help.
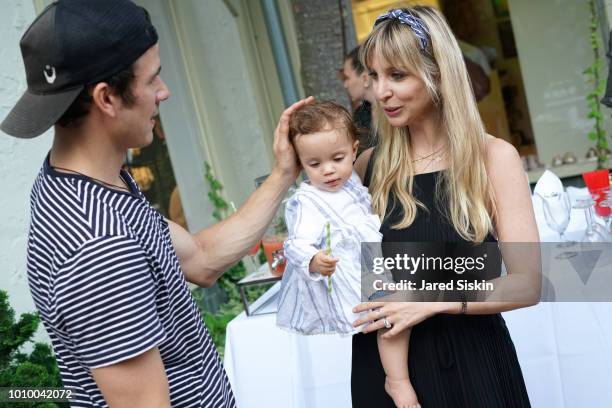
x: 594, y: 77
x: 214, y: 194
x: 18, y: 369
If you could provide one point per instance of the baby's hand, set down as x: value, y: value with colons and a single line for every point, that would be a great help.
x: 323, y: 264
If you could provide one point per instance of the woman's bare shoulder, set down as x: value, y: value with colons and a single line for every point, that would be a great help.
x: 514, y: 219
x: 361, y: 164
x: 499, y: 152
x: 503, y: 163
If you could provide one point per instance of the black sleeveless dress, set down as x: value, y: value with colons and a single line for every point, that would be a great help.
x: 466, y: 361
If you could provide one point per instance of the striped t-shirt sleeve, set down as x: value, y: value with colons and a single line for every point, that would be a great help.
x: 105, y: 296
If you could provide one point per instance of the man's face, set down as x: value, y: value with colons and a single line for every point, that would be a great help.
x: 148, y: 90
x: 353, y: 82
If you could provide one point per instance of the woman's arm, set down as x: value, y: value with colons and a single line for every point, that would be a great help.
x: 517, y: 231
x: 514, y: 222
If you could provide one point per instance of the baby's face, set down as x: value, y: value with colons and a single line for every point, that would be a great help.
x: 327, y: 157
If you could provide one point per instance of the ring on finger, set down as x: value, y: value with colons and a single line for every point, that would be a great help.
x: 387, y: 324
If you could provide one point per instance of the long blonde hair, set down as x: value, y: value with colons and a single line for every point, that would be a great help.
x: 471, y: 205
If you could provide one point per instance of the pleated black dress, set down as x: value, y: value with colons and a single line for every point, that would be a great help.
x: 462, y: 361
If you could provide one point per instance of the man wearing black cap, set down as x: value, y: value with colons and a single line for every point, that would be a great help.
x: 107, y: 272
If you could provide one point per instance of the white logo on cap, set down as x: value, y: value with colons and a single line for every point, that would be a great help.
x: 49, y: 76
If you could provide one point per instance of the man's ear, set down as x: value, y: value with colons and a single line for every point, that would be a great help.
x: 365, y: 79
x: 105, y: 100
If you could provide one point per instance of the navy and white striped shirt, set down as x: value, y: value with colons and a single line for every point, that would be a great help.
x: 108, y: 286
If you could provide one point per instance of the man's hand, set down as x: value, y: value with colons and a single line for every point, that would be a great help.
x: 286, y: 161
x: 323, y: 264
x: 204, y: 256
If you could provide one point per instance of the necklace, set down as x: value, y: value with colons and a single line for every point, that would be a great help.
x: 435, y: 158
x: 93, y: 178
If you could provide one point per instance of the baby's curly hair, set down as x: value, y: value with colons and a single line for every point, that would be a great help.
x: 320, y: 116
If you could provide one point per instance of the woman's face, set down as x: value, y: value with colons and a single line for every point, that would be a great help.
x: 402, y: 95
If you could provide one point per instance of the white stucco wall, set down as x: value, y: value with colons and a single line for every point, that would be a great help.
x: 235, y: 138
x: 20, y: 160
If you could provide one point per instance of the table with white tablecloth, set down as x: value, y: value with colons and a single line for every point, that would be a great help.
x: 564, y: 349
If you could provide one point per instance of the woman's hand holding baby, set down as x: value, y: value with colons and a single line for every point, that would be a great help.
x: 323, y: 264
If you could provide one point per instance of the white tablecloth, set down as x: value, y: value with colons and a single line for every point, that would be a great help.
x: 565, y: 352
x: 270, y: 367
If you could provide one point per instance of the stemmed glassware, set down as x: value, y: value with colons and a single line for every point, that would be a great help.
x: 594, y: 232
x: 606, y: 203
x: 557, y: 209
x: 602, y: 214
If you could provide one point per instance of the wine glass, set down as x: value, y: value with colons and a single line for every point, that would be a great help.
x: 594, y: 232
x: 606, y: 204
x: 557, y: 208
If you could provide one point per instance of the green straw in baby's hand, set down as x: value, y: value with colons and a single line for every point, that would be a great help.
x: 328, y: 252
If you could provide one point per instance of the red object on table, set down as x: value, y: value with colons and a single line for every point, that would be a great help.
x: 598, y: 183
x: 273, y: 245
x: 253, y: 251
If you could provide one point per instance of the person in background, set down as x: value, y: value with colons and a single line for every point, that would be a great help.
x: 357, y: 84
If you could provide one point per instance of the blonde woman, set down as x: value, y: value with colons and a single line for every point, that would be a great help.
x: 435, y: 175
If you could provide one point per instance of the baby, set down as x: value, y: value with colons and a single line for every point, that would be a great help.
x: 328, y: 217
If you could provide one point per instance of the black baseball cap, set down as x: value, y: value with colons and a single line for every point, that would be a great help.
x: 70, y: 45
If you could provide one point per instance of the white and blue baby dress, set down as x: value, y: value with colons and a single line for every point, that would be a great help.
x: 305, y: 304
